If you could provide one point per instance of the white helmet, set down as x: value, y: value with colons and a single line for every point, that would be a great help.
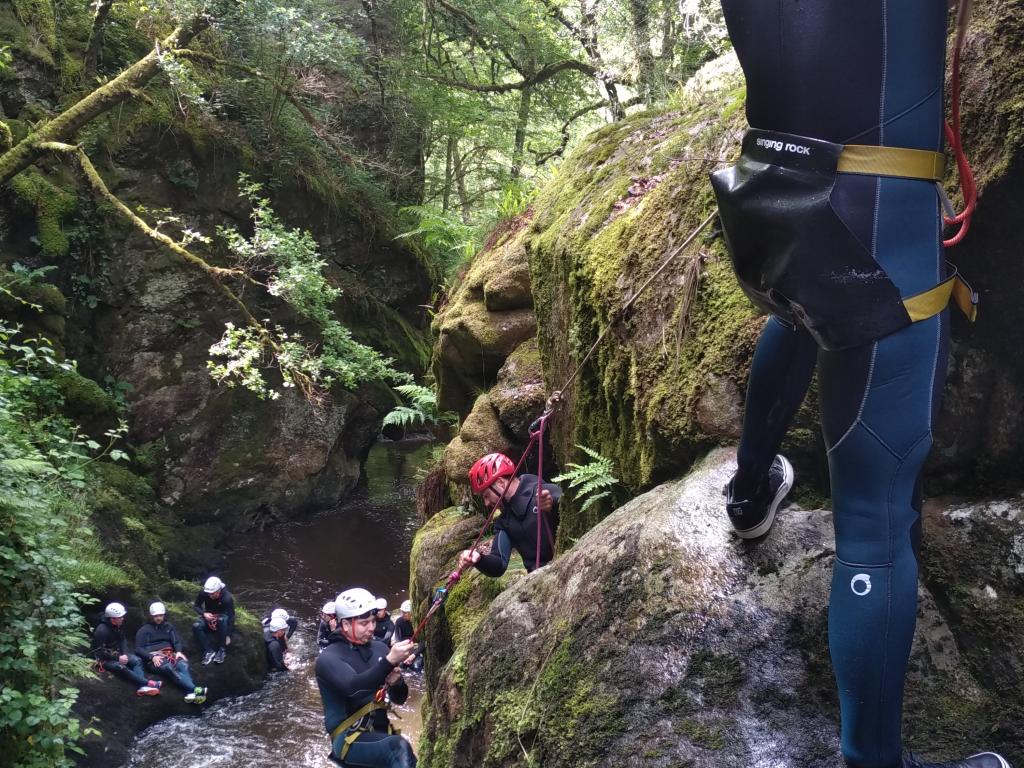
x: 277, y: 624
x: 354, y: 602
x: 157, y: 609
x: 328, y: 608
x: 406, y: 606
x: 279, y: 613
x: 381, y: 604
x: 213, y: 584
x: 115, y: 611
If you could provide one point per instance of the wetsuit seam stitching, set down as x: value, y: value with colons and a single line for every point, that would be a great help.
x: 863, y: 400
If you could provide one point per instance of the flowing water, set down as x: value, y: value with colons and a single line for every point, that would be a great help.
x: 365, y: 541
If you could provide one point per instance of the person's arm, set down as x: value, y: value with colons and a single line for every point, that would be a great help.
x: 142, y: 643
x: 123, y: 645
x: 199, y: 605
x: 340, y: 675
x: 293, y: 624
x: 228, y: 604
x: 99, y: 642
x: 276, y: 656
x: 398, y: 691
x: 496, y: 563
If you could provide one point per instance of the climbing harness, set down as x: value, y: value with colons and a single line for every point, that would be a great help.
x: 359, y: 723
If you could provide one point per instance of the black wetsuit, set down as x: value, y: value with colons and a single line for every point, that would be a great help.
x: 276, y: 648
x: 224, y: 607
x: 323, y: 634
x: 858, y: 73
x: 348, y: 677
x: 516, y: 527
x: 293, y: 624
x: 385, y: 629
x: 403, y: 629
x: 109, y: 644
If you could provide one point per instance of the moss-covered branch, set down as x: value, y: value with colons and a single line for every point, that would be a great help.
x: 6, y: 139
x: 65, y: 125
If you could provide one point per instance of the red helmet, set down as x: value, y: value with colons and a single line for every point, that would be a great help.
x: 488, y: 469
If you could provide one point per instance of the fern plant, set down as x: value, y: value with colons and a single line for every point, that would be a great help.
x: 591, y: 481
x: 422, y: 408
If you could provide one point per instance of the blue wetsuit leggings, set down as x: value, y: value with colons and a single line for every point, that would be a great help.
x: 877, y: 408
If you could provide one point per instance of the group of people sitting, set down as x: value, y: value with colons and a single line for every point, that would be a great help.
x: 159, y: 651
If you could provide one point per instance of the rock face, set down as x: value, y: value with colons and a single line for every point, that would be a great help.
x: 661, y: 640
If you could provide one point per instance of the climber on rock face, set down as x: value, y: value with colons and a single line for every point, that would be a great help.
x: 492, y: 478
x: 834, y: 228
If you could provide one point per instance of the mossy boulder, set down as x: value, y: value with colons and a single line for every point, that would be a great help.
x: 487, y: 317
x: 661, y: 640
x: 482, y: 432
x: 519, y: 395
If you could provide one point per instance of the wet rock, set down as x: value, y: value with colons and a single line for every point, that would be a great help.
x: 661, y: 640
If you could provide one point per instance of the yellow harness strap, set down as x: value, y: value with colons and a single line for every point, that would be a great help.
x: 350, y: 721
x: 923, y: 305
x: 892, y: 161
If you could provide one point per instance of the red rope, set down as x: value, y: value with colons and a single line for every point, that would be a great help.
x: 968, y: 188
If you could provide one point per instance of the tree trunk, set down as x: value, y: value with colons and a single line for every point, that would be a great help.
x: 65, y: 125
x: 460, y: 181
x: 639, y: 12
x: 448, y: 172
x: 522, y: 123
x: 99, y: 23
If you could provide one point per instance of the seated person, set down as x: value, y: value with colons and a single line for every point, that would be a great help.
x: 110, y: 649
x: 275, y: 639
x: 385, y: 626
x: 291, y: 621
x: 328, y: 623
x: 492, y: 478
x: 216, y: 609
x: 158, y: 645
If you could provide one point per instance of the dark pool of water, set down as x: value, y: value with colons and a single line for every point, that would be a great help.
x: 365, y: 541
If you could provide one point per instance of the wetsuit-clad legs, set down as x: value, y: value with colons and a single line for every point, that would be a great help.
x: 212, y: 639
x: 132, y: 671
x: 177, y: 672
x: 377, y: 750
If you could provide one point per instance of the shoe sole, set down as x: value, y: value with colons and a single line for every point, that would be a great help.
x: 1002, y: 761
x: 787, y: 484
x: 152, y: 692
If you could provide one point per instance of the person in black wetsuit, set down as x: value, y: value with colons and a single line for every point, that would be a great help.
x: 327, y: 624
x: 212, y: 630
x: 281, y: 613
x: 404, y: 630
x: 110, y: 649
x: 385, y: 628
x: 519, y: 525
x: 157, y: 643
x: 349, y: 672
x: 837, y: 253
x: 276, y: 642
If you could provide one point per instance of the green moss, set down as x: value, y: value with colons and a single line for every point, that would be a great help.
x: 708, y: 734
x: 718, y: 676
x: 39, y: 15
x: 84, y: 399
x: 51, y: 205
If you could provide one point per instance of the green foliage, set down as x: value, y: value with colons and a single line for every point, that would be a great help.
x: 51, y: 205
x: 592, y: 480
x: 444, y: 234
x: 47, y: 553
x: 292, y: 260
x: 423, y: 408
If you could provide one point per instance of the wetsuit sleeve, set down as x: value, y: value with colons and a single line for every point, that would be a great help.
x: 276, y: 654
x: 399, y: 692
x: 343, y: 678
x: 142, y: 642
x: 228, y: 603
x: 99, y: 643
x: 495, y: 563
x: 175, y: 640
x: 554, y: 490
x: 293, y: 624
x: 323, y: 631
x: 123, y: 645
x: 199, y: 604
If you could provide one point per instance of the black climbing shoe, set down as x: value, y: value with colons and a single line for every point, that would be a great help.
x: 218, y: 658
x: 753, y: 517
x: 980, y: 760
x: 208, y: 657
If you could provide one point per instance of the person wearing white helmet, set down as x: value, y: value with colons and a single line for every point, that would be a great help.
x: 385, y: 626
x: 216, y: 610
x: 276, y: 642
x: 328, y: 623
x: 291, y: 621
x: 349, y: 672
x: 110, y: 649
x: 159, y: 646
x: 404, y: 630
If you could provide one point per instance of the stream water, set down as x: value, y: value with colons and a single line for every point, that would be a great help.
x: 364, y: 541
